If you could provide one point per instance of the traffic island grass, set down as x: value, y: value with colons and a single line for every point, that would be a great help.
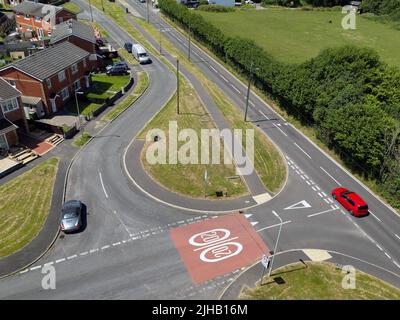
x: 141, y: 86
x: 319, y: 281
x: 295, y: 35
x: 24, y: 206
x: 82, y: 139
x: 188, y: 179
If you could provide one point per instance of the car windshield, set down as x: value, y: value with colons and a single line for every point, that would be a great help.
x: 363, y: 207
x: 142, y: 54
x: 347, y: 192
x: 70, y: 214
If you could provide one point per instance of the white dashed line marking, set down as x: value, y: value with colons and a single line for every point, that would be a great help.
x: 397, y: 265
x: 320, y: 194
x: 318, y: 213
x: 379, y: 247
x: 234, y: 88
x: 93, y: 250
x: 83, y: 253
x: 329, y: 175
x: 280, y: 129
x: 102, y: 184
x: 105, y: 247
x: 375, y: 216
x: 397, y: 236
x: 314, y: 188
x: 60, y: 260
x: 116, y: 244
x: 308, y: 182
x: 326, y: 201
x: 302, y: 150
x: 388, y: 256
x: 72, y: 257
x: 34, y: 268
x: 223, y: 78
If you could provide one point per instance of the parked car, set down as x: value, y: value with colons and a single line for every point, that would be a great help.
x: 71, y: 216
x: 249, y: 2
x: 100, y: 42
x: 120, y: 63
x: 117, y: 70
x: 351, y: 201
x: 128, y: 46
x: 142, y: 1
x: 140, y: 54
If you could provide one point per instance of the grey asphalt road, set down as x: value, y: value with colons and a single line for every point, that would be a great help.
x: 126, y: 251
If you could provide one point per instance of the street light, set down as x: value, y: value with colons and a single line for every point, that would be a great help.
x: 277, y: 240
x: 248, y: 88
x: 77, y: 107
x: 91, y: 13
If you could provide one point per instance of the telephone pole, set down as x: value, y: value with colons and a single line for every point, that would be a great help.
x: 248, y: 89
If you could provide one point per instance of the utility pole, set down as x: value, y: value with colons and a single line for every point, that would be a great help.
x: 102, y: 5
x: 177, y: 86
x: 277, y: 240
x: 160, y: 38
x: 189, y: 43
x: 91, y: 13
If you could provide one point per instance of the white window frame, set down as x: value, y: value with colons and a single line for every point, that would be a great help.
x: 63, y: 77
x: 9, y: 105
x: 74, y: 68
x: 27, y: 16
x: 65, y: 90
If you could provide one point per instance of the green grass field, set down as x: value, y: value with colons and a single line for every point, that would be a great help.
x: 294, y: 35
x: 24, y: 206
x: 72, y: 7
x: 319, y: 281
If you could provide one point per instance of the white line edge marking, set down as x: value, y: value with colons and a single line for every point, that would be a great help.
x: 318, y: 213
x: 274, y: 225
x: 302, y: 150
x: 102, y: 184
x: 329, y: 175
x: 374, y: 216
x: 280, y: 129
x: 397, y: 236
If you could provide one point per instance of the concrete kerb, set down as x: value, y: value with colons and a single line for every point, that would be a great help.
x: 220, y: 297
x: 307, y: 138
x: 185, y: 208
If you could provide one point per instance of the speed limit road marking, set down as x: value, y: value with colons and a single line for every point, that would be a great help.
x: 218, y: 246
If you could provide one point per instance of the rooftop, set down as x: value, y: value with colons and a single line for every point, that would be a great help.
x: 72, y: 27
x: 33, y: 8
x: 45, y: 63
x: 7, y: 91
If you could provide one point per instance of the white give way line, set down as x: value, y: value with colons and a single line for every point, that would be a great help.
x: 102, y: 184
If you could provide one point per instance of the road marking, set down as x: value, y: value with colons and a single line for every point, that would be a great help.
x: 326, y: 200
x: 330, y: 200
x: 215, y: 70
x: 252, y: 103
x: 320, y: 194
x: 102, y: 184
x: 388, y: 256
x: 318, y: 213
x: 318, y: 188
x: 60, y: 260
x: 71, y: 257
x: 234, y: 88
x: 280, y: 129
x: 333, y: 207
x: 302, y: 177
x: 398, y: 266
x: 225, y: 79
x: 84, y: 253
x: 315, y: 189
x: 105, y: 247
x: 330, y: 175
x: 93, y: 250
x: 265, y: 116
x: 274, y: 225
x: 116, y: 243
x: 24, y: 271
x: 379, y: 247
x: 302, y: 150
x: 397, y: 236
x: 323, y: 193
x: 308, y: 182
x: 374, y: 216
x: 34, y: 268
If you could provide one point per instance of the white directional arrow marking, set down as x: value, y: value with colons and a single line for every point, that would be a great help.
x: 248, y: 215
x: 299, y: 205
x: 253, y: 223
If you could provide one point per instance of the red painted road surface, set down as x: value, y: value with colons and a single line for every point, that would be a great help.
x: 218, y: 246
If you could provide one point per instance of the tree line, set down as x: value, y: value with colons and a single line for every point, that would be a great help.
x: 347, y: 94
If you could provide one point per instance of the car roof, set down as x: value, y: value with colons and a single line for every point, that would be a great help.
x: 356, y: 198
x: 71, y: 204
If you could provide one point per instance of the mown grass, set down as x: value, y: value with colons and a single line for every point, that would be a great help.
x: 294, y: 36
x: 319, y: 281
x: 24, y: 206
x: 73, y: 7
x: 189, y: 179
x: 82, y: 139
x: 141, y: 86
x: 267, y: 160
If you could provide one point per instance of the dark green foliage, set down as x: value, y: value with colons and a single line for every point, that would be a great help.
x: 350, y: 97
x: 215, y: 8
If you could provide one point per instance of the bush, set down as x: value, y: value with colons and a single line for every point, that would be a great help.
x: 215, y: 8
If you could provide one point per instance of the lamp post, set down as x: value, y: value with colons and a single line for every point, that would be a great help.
x: 277, y: 240
x: 91, y: 13
x: 248, y: 89
x: 77, y: 107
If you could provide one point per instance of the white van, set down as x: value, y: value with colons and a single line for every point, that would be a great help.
x: 140, y: 54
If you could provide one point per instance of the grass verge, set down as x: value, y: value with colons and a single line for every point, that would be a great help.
x: 319, y: 281
x: 82, y: 140
x: 25, y: 204
x: 142, y: 84
x: 191, y: 176
x: 73, y: 7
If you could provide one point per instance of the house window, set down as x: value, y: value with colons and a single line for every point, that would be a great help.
x: 61, y: 76
x: 64, y: 94
x: 12, y: 82
x: 27, y: 17
x: 74, y: 68
x: 77, y: 85
x: 38, y: 19
x: 48, y: 81
x: 9, y: 105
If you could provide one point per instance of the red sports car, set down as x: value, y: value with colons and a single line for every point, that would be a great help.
x: 351, y: 201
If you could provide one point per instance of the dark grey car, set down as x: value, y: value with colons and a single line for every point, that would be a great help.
x: 71, y: 216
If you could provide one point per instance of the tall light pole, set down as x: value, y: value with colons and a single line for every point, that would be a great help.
x: 276, y: 244
x: 91, y: 13
x: 248, y: 89
x: 77, y: 107
x: 177, y: 86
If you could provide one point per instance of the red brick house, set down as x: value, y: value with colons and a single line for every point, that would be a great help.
x: 32, y: 16
x: 12, y: 116
x: 49, y: 78
x: 78, y: 33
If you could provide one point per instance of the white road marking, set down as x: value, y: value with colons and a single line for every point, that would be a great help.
x: 71, y: 257
x: 280, y: 129
x: 308, y: 182
x: 102, y: 184
x: 315, y: 189
x: 323, y: 193
x: 318, y: 188
x: 397, y: 236
x: 215, y: 70
x: 379, y: 247
x: 234, y: 88
x: 318, y: 213
x: 397, y: 265
x: 330, y: 175
x: 34, y: 268
x: 116, y: 243
x: 374, y: 216
x: 252, y: 103
x: 60, y: 260
x: 84, y: 253
x: 93, y: 250
x: 326, y: 200
x: 24, y: 271
x: 320, y: 194
x: 388, y: 256
x: 302, y: 177
x: 265, y: 116
x: 223, y: 78
x: 302, y: 150
x: 105, y: 247
x: 274, y: 225
x: 333, y: 207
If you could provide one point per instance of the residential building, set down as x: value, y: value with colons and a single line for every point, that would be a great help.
x: 49, y: 78
x: 36, y: 17
x: 78, y: 33
x: 12, y: 117
x: 21, y: 49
